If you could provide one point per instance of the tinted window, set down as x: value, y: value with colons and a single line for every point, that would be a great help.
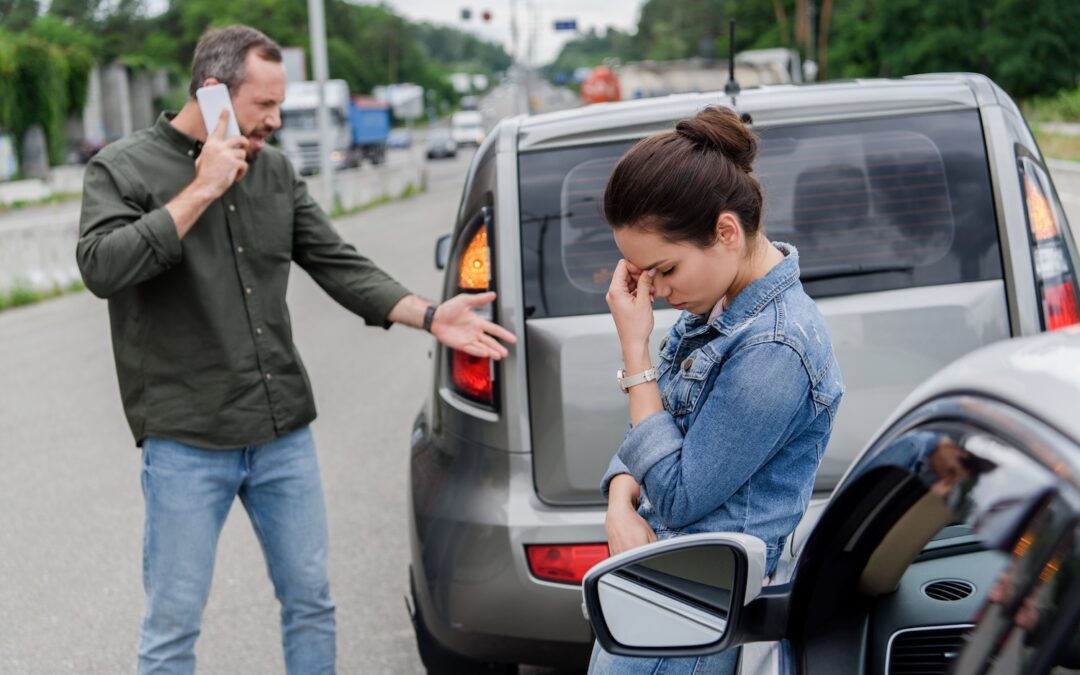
x: 872, y: 205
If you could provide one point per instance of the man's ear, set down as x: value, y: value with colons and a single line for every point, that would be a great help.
x: 728, y: 232
x: 210, y: 81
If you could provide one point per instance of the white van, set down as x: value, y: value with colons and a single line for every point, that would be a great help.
x: 467, y: 127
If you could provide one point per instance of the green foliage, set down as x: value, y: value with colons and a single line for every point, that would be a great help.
x: 1026, y: 46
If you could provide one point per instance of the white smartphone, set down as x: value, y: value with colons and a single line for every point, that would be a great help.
x: 212, y: 100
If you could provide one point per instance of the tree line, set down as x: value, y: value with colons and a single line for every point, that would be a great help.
x: 47, y: 49
x: 1026, y: 46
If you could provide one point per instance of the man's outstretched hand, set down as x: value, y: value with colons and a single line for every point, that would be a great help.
x: 457, y: 325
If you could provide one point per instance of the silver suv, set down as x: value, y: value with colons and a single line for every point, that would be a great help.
x: 927, y: 226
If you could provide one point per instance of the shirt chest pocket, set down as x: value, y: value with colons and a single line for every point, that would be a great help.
x: 268, y: 223
x: 687, y: 381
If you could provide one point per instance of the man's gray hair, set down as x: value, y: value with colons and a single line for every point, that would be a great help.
x: 221, y: 53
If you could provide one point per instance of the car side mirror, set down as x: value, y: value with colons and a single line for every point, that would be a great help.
x: 442, y: 252
x: 678, y: 597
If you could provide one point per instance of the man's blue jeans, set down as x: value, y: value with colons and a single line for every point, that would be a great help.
x: 188, y: 492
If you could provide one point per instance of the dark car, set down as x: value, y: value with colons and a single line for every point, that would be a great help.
x: 440, y: 143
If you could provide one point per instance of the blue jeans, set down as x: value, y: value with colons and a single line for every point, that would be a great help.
x: 188, y: 493
x: 602, y: 663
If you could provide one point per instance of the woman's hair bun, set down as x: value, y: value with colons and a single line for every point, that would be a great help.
x: 720, y: 129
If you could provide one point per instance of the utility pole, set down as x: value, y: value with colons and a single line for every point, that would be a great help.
x: 317, y: 26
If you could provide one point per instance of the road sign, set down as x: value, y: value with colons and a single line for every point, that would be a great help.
x: 566, y: 24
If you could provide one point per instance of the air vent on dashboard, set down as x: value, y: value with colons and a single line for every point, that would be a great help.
x: 948, y: 590
x: 925, y: 651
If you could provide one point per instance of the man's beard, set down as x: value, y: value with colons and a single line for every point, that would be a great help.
x: 264, y: 134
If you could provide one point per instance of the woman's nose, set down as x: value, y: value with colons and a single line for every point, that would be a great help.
x: 661, y: 289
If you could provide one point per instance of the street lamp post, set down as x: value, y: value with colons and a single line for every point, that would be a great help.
x: 317, y: 26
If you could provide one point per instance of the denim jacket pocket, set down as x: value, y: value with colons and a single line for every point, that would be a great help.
x: 688, y: 382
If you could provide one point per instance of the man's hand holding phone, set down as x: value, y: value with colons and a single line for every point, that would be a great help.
x: 222, y: 161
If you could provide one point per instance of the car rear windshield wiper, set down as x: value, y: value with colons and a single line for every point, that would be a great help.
x: 850, y: 270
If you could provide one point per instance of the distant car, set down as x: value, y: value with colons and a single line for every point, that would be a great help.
x: 399, y: 138
x: 440, y: 143
x: 927, y: 226
x: 951, y: 546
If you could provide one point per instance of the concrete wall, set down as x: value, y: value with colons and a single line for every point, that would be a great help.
x: 37, y: 244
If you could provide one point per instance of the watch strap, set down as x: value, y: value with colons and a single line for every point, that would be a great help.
x: 627, y: 381
x: 429, y: 316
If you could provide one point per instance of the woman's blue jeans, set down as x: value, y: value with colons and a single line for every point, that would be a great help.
x: 188, y: 493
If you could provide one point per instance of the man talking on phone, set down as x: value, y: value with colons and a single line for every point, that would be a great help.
x: 190, y: 236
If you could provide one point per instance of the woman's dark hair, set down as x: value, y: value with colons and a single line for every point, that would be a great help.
x: 677, y: 183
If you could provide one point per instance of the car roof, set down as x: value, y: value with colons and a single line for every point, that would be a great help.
x: 767, y: 105
x: 1038, y: 374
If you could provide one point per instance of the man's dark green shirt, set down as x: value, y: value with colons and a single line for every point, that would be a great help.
x: 201, y: 333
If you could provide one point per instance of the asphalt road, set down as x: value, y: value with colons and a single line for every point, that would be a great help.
x: 71, y: 524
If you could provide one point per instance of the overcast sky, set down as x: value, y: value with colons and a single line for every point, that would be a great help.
x: 622, y: 14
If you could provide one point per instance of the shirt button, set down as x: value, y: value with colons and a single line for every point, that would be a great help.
x: 239, y: 249
x: 190, y: 153
x: 258, y: 331
x: 232, y: 207
x: 248, y: 290
x: 269, y: 376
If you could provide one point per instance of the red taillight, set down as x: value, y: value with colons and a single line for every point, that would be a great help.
x: 473, y: 376
x: 1055, y: 277
x: 565, y: 563
x: 1059, y: 305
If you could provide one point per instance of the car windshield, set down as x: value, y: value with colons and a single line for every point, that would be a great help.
x: 872, y: 205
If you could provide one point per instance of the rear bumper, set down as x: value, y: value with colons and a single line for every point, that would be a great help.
x: 473, y: 510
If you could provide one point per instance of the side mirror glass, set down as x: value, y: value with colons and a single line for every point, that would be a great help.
x: 678, y: 597
x: 442, y: 252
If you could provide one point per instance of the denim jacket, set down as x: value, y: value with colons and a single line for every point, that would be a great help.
x: 749, y: 402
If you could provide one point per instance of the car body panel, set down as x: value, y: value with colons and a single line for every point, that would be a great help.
x: 886, y: 343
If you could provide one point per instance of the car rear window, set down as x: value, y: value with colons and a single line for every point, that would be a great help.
x: 872, y: 205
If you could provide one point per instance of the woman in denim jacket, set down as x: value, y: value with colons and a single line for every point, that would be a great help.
x: 729, y: 434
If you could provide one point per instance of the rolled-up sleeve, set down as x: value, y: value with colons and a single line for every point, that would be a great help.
x: 351, y: 279
x: 750, y: 411
x: 121, y: 244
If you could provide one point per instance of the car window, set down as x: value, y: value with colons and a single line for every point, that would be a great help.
x: 871, y: 205
x: 972, y: 559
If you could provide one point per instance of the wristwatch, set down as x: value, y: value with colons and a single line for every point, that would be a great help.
x: 429, y: 316
x: 627, y: 381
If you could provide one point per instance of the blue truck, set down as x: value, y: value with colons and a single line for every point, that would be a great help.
x: 359, y: 126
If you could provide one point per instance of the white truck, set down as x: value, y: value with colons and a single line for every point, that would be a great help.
x: 359, y: 126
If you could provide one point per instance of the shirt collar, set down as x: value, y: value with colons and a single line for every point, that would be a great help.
x: 754, y: 297
x: 176, y: 138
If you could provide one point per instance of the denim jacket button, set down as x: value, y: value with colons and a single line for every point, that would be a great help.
x: 687, y: 364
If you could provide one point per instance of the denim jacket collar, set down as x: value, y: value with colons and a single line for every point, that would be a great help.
x: 753, y: 298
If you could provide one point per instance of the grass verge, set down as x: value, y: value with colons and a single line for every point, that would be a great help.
x: 22, y: 293
x: 1058, y: 146
x: 411, y: 190
x: 55, y: 198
